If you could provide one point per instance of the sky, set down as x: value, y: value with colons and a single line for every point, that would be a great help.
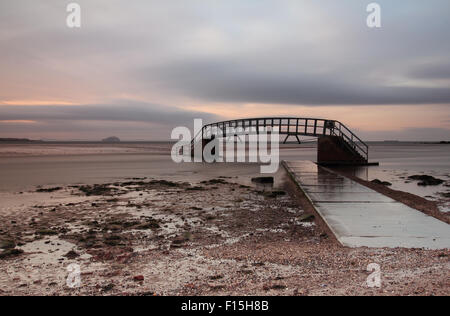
x: 137, y: 69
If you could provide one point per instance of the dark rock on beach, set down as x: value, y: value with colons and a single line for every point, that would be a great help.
x: 7, y: 244
x: 9, y: 253
x: 263, y: 180
x: 425, y: 180
x: 377, y: 181
x: 71, y: 255
x: 275, y: 194
x: 48, y: 190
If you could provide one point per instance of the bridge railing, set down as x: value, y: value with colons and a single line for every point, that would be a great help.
x: 313, y: 127
x: 352, y: 140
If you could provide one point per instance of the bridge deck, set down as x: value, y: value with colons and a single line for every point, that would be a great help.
x: 359, y: 216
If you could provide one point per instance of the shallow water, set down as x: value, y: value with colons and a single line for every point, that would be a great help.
x: 24, y: 172
x: 399, y: 162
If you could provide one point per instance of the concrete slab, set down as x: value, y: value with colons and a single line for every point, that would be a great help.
x: 349, y: 197
x: 334, y: 189
x: 361, y: 217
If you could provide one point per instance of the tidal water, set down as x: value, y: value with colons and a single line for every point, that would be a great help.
x: 22, y: 170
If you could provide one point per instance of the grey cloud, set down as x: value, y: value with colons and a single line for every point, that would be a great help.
x: 124, y: 111
x: 230, y: 81
x: 266, y: 51
x: 410, y: 134
x: 432, y: 71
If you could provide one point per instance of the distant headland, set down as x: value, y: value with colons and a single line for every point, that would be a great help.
x: 18, y: 140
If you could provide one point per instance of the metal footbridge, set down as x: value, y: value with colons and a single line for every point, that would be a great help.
x: 337, y: 143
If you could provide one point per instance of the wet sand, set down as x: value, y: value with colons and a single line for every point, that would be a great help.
x: 214, y: 237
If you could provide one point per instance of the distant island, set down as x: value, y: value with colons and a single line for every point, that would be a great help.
x: 112, y: 139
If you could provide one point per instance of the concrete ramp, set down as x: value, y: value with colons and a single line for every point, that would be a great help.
x: 359, y: 216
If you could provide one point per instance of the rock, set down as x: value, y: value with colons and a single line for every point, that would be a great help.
x: 275, y: 194
x: 216, y: 287
x: 179, y: 240
x: 385, y: 183
x: 49, y: 189
x: 149, y: 225
x: 426, y: 180
x: 445, y: 194
x: 306, y: 218
x: 214, y: 181
x: 113, y: 240
x: 263, y: 180
x: 98, y: 189
x: 108, y: 287
x: 196, y: 188
x: 7, y: 244
x: 71, y: 255
x: 139, y: 278
x: 10, y: 253
x: 46, y: 232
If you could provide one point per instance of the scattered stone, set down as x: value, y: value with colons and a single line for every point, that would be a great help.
x: 150, y: 224
x: 108, y: 287
x: 385, y: 183
x: 425, y: 180
x: 278, y: 287
x: 263, y: 180
x: 214, y: 181
x: 275, y: 194
x: 41, y: 190
x: 71, y: 255
x: 7, y: 244
x: 216, y: 287
x: 98, y: 189
x: 139, y: 278
x: 196, y: 188
x: 46, y: 232
x: 10, y: 253
x: 113, y: 240
x: 306, y: 218
x: 179, y: 240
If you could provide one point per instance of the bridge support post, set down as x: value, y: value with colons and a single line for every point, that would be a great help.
x: 289, y: 135
x: 332, y: 150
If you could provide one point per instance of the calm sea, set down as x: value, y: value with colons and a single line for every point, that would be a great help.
x: 20, y: 171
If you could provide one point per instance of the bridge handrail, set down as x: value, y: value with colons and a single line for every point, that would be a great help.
x: 353, y: 139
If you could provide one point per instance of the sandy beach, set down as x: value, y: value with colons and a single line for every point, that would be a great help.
x: 215, y: 237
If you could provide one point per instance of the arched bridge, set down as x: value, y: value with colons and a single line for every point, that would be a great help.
x: 337, y: 144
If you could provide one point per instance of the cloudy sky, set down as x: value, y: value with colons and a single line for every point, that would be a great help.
x: 136, y: 69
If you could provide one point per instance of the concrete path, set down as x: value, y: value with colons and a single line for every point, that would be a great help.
x: 360, y: 216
